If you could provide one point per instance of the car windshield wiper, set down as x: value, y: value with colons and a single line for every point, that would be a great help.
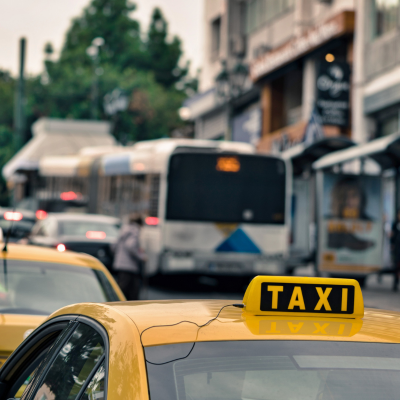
x: 28, y: 311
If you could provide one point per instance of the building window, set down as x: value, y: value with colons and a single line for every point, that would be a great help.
x: 385, y: 16
x: 388, y: 121
x: 389, y: 125
x: 260, y: 12
x: 215, y: 37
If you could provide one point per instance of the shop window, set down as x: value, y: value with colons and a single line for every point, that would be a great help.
x: 215, y: 37
x: 385, y: 16
x: 389, y: 125
x: 260, y: 12
x: 387, y: 121
x: 293, y: 97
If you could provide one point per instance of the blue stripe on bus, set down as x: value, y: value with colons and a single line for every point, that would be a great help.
x: 238, y: 242
x: 117, y: 164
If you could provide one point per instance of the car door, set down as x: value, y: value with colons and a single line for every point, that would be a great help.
x: 74, y: 368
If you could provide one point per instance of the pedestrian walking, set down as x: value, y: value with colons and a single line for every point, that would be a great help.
x: 129, y: 258
x: 395, y: 242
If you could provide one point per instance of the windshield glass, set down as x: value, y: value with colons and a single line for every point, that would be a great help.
x: 274, y: 370
x: 226, y: 188
x: 88, y: 229
x: 41, y: 288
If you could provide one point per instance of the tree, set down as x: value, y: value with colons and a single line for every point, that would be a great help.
x: 164, y: 56
x: 109, y: 19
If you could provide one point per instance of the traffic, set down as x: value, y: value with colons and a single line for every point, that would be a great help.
x: 200, y: 200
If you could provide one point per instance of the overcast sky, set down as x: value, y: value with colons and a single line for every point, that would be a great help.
x: 41, y: 21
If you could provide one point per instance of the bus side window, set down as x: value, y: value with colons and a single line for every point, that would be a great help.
x: 154, y: 195
x: 113, y: 188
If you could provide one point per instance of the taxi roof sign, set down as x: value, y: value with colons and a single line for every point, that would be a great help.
x: 305, y: 297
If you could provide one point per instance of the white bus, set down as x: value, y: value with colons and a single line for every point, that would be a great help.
x: 211, y: 207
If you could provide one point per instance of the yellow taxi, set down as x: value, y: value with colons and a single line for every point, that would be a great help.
x: 36, y: 281
x: 290, y: 338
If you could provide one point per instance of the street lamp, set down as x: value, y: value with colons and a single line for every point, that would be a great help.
x: 231, y: 82
x: 93, y: 52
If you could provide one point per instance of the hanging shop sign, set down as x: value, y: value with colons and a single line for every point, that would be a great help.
x: 313, y: 38
x: 333, y: 93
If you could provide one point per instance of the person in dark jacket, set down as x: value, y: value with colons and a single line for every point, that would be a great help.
x: 395, y: 242
x: 129, y: 258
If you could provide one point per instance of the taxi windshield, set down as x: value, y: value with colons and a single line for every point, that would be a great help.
x: 274, y: 370
x: 40, y: 288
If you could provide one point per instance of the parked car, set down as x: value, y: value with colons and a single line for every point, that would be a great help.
x: 85, y: 233
x: 16, y: 223
x: 34, y: 282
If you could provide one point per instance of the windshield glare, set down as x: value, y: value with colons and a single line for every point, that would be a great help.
x: 274, y: 370
x: 40, y: 288
x: 81, y: 228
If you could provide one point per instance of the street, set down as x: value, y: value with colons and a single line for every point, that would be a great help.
x: 376, y: 294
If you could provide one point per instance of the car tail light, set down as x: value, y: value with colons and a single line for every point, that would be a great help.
x: 96, y: 235
x: 153, y: 221
x: 68, y: 196
x: 41, y: 214
x: 13, y: 216
x: 61, y: 247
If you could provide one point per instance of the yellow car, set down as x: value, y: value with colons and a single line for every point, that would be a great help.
x: 290, y: 338
x: 36, y: 281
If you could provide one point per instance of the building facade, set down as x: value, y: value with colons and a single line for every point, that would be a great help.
x: 377, y: 69
x: 287, y: 46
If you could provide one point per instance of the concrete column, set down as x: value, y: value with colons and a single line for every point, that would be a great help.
x: 309, y: 86
x: 359, y: 121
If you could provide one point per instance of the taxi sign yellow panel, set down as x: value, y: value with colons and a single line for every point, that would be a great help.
x: 282, y: 295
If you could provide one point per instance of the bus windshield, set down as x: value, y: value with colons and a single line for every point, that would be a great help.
x: 226, y: 188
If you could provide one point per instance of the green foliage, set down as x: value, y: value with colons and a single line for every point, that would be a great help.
x: 7, y: 148
x: 7, y: 90
x: 147, y: 68
x: 6, y: 152
x: 163, y: 57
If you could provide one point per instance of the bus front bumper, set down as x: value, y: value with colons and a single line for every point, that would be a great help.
x: 236, y: 264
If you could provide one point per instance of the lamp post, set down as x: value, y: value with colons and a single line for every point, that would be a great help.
x: 230, y: 84
x: 93, y: 52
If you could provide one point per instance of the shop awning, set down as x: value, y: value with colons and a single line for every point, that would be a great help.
x: 303, y: 156
x: 56, y: 137
x: 385, y: 151
x: 59, y: 166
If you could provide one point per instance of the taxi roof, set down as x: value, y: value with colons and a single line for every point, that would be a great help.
x: 233, y: 324
x: 45, y: 254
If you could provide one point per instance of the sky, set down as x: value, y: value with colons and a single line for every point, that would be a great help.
x: 42, y: 21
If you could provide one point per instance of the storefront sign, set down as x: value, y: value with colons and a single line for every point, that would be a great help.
x: 350, y: 227
x: 333, y: 93
x: 296, y: 48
